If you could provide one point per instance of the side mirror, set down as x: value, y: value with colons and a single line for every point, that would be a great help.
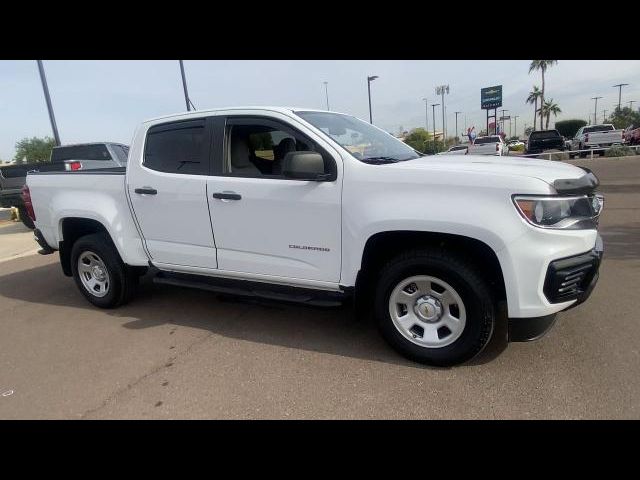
x: 304, y: 166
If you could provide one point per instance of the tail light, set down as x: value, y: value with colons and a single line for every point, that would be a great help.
x: 73, y: 166
x: 586, y: 137
x: 497, y: 147
x: 26, y: 198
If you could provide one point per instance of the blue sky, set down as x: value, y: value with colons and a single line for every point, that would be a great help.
x: 105, y: 100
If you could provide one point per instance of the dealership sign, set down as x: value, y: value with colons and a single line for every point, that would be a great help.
x: 491, y: 97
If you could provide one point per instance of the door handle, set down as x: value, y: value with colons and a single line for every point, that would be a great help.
x: 146, y: 191
x: 227, y: 196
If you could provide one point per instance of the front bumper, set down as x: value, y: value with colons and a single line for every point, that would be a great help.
x: 571, y: 278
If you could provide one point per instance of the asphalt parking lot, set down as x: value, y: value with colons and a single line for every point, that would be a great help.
x: 179, y: 353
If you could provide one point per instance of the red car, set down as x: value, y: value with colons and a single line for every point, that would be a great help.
x: 631, y: 135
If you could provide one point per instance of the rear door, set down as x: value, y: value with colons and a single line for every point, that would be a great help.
x: 264, y: 223
x: 168, y: 192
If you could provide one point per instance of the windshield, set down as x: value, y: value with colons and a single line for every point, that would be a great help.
x: 362, y: 140
x: 544, y: 134
x: 598, y: 128
x: 483, y: 140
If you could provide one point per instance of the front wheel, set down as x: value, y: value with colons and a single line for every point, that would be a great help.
x: 99, y: 272
x: 434, y: 308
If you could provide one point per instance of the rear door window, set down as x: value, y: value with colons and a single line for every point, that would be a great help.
x: 177, y: 147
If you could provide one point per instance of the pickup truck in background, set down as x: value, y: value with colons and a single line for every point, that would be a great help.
x: 489, y: 145
x: 543, y: 140
x: 282, y: 203
x: 84, y: 156
x: 596, y: 138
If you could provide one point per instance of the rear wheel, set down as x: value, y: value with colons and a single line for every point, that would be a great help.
x: 99, y: 272
x: 434, y: 308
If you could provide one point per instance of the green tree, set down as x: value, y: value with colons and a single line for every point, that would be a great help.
x: 549, y: 108
x: 625, y: 117
x: 34, y: 150
x: 541, y: 66
x: 533, y: 97
x: 569, y: 128
x: 418, y: 139
x: 528, y: 130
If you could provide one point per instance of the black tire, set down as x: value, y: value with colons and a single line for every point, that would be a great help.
x: 465, y: 279
x: 123, y: 279
x: 25, y: 219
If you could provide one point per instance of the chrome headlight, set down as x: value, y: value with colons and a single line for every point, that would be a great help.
x: 573, y: 213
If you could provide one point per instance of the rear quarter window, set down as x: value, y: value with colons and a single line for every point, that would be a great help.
x: 177, y: 147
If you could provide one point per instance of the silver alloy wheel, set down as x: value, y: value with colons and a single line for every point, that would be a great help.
x: 93, y: 274
x: 427, y: 311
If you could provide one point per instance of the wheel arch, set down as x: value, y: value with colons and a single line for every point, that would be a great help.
x: 382, y: 246
x: 73, y: 228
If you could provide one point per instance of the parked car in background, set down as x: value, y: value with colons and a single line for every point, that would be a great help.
x: 85, y: 156
x: 516, y: 146
x: 543, y: 140
x: 489, y: 145
x: 427, y: 246
x: 631, y: 135
x: 456, y: 150
x: 596, y: 138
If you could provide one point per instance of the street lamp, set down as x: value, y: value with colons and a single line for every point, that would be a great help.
x: 503, y: 110
x: 456, y: 113
x: 433, y: 106
x: 631, y: 102
x: 426, y: 114
x: 595, y: 110
x: 604, y: 115
x: 47, y: 99
x: 515, y: 125
x: 326, y: 92
x: 369, y: 80
x: 620, y: 85
x: 441, y: 90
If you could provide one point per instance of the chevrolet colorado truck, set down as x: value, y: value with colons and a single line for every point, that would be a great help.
x: 319, y: 207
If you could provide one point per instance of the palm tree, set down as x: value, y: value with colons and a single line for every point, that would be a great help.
x: 533, y: 99
x: 542, y: 66
x: 548, y: 108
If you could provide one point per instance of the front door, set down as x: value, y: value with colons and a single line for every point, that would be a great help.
x: 264, y: 223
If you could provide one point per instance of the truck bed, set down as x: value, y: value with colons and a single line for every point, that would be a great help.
x: 98, y: 194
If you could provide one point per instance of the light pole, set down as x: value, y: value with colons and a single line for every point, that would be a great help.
x: 631, y: 102
x: 457, y: 123
x: 369, y: 80
x: 595, y: 110
x: 426, y: 114
x: 441, y: 90
x: 604, y: 115
x: 515, y: 125
x: 433, y: 106
x: 326, y: 93
x: 503, y: 110
x: 620, y: 85
x: 47, y: 98
x: 184, y: 86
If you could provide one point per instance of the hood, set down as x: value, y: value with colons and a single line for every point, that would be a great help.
x: 545, y: 170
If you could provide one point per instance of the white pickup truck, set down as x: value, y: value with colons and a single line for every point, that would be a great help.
x: 320, y: 207
x: 596, y: 138
x: 489, y: 145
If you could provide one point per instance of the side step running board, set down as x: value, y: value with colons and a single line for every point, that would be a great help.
x: 307, y: 296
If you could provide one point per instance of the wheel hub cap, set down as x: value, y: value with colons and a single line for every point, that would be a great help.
x: 428, y: 309
x: 99, y: 273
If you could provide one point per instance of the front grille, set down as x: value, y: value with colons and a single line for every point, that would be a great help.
x: 569, y: 277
